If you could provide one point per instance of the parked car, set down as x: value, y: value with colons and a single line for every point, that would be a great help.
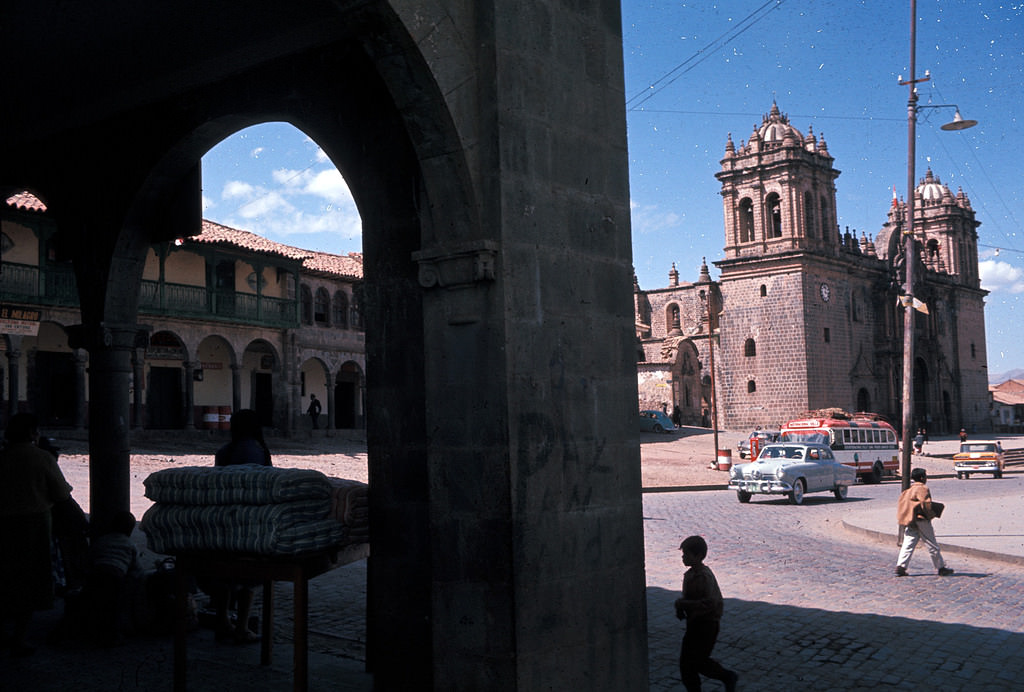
x: 763, y: 437
x: 655, y: 421
x: 792, y: 469
x: 983, y: 456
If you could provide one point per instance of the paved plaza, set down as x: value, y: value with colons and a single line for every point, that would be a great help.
x: 811, y: 604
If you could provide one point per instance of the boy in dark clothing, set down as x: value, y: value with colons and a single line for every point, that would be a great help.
x: 113, y: 558
x: 701, y: 606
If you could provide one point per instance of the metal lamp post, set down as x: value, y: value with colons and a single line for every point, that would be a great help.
x: 910, y: 252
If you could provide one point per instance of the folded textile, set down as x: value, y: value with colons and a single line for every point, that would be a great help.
x: 276, y: 529
x: 244, y: 484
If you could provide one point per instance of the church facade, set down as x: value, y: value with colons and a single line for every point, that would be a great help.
x: 804, y: 316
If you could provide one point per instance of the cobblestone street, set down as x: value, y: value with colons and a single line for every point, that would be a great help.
x: 810, y: 606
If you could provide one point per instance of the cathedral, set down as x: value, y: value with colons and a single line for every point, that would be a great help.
x: 804, y: 316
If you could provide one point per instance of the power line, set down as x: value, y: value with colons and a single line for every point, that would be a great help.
x: 703, y: 54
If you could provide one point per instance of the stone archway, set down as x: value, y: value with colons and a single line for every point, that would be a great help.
x: 503, y: 454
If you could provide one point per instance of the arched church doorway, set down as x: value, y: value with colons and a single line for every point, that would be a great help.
x: 348, y: 397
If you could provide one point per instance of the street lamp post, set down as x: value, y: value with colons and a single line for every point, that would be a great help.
x: 708, y: 300
x: 909, y: 251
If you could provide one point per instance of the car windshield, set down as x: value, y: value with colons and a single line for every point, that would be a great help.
x: 812, y: 437
x: 782, y: 453
x: 967, y: 448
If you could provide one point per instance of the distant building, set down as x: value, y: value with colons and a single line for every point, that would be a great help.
x: 1008, y: 405
x: 229, y: 320
x: 806, y: 316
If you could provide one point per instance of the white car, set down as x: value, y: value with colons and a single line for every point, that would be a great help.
x: 792, y: 469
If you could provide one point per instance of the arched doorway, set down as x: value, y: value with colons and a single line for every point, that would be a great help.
x: 348, y: 404
x: 165, y: 384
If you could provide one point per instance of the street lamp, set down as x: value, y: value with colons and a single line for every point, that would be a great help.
x: 707, y: 299
x: 910, y: 252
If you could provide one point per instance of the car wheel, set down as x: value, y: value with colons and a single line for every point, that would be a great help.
x: 967, y: 475
x: 998, y: 474
x: 840, y: 491
x: 875, y: 475
x: 743, y: 496
x: 658, y: 428
x: 796, y: 495
x: 959, y: 476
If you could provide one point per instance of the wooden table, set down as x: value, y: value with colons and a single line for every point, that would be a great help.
x: 297, y: 569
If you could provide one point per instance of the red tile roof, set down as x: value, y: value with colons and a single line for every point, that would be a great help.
x: 348, y: 266
x: 26, y: 201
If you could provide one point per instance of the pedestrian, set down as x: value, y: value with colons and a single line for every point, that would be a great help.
x: 701, y: 606
x: 314, y: 410
x: 31, y: 483
x: 914, y: 513
x: 963, y: 435
x: 919, y: 441
x: 677, y: 416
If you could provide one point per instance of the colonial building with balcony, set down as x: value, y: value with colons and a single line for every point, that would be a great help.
x: 231, y: 320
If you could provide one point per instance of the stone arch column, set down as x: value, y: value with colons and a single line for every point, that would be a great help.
x: 138, y: 375
x: 14, y: 376
x: 329, y: 405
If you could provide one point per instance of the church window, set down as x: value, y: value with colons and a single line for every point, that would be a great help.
x: 322, y: 307
x: 828, y: 336
x: 764, y: 290
x: 973, y: 351
x: 751, y: 387
x: 808, y: 215
x: 746, y: 220
x: 774, y: 208
x: 823, y: 219
x: 306, y: 304
x: 749, y: 348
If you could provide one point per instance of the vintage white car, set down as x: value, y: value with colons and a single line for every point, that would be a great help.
x: 792, y: 469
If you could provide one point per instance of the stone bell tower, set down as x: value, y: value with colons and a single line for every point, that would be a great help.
x: 778, y: 190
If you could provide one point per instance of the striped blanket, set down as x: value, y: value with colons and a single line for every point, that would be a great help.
x: 246, y: 484
x: 260, y: 510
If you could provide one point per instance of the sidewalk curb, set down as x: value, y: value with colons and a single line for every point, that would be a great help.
x: 890, y: 538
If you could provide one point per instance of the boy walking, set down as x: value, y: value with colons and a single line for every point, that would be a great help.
x: 701, y: 606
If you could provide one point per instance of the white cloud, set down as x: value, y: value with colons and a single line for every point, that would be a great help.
x: 233, y: 189
x: 1001, y: 276
x: 651, y: 219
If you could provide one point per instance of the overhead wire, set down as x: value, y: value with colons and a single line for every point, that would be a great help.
x: 702, y: 54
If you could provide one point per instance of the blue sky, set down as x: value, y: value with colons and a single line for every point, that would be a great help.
x: 698, y: 71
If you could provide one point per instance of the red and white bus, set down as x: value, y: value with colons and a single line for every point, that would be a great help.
x: 863, y: 441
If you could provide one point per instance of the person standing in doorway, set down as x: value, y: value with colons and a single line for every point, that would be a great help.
x: 314, y: 410
x: 914, y: 513
x: 701, y: 606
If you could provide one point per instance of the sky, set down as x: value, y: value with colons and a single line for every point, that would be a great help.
x: 696, y: 72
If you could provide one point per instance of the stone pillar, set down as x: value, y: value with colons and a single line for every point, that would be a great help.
x: 14, y: 375
x: 110, y: 350
x: 81, y: 362
x: 236, y: 388
x: 329, y: 408
x: 138, y: 368
x: 190, y: 390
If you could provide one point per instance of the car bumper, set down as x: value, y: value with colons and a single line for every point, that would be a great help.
x: 765, y: 486
x: 976, y: 467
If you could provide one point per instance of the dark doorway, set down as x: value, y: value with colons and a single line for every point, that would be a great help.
x: 56, y: 388
x: 263, y: 397
x: 164, y: 400
x: 344, y: 405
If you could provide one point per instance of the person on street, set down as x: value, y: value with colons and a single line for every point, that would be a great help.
x: 701, y: 606
x: 31, y: 483
x: 914, y: 513
x: 314, y: 410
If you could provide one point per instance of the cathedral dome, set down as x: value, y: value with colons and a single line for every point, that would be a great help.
x: 776, y: 128
x: 931, y: 188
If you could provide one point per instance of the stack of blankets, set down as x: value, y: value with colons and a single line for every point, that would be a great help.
x: 260, y: 510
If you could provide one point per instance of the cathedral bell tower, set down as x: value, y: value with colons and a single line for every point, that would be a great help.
x: 778, y: 190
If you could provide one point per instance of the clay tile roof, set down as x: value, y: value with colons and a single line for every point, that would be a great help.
x: 349, y: 266
x: 26, y: 201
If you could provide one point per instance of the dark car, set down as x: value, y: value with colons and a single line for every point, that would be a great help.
x: 763, y: 437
